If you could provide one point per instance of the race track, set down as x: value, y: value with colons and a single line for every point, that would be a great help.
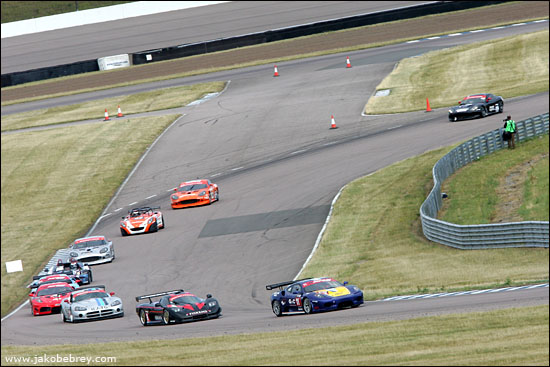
x: 266, y: 142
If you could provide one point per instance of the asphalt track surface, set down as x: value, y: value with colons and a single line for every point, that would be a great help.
x: 266, y: 142
x: 173, y: 28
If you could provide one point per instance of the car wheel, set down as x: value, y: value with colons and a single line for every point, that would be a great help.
x: 165, y: 317
x: 143, y: 318
x: 154, y: 227
x: 63, y: 316
x: 276, y: 306
x: 32, y: 311
x: 90, y: 278
x: 307, y: 306
x: 71, y: 317
x: 500, y: 107
x: 163, y: 224
x: 217, y: 195
x: 483, y: 112
x: 123, y: 233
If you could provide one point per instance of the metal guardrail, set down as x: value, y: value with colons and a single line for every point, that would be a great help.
x: 481, y: 236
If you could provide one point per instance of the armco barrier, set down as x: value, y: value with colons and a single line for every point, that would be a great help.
x: 173, y: 52
x: 481, y: 236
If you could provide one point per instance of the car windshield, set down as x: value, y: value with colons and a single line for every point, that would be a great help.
x: 54, y: 290
x: 91, y: 243
x: 192, y: 187
x: 472, y: 100
x: 90, y: 295
x: 322, y: 285
x: 186, y: 299
x: 136, y: 213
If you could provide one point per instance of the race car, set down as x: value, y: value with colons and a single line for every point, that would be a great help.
x: 48, y: 297
x: 49, y: 279
x: 476, y: 105
x: 313, y: 295
x: 142, y: 220
x: 80, y: 272
x: 93, y: 250
x: 194, y: 193
x: 176, y: 306
x: 91, y: 303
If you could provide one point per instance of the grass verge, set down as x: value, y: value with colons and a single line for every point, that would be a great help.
x: 446, y: 76
x: 55, y: 183
x: 375, y: 236
x: 159, y: 99
x: 477, y: 339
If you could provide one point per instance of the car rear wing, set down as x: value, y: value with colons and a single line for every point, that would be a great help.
x: 149, y: 296
x: 281, y: 285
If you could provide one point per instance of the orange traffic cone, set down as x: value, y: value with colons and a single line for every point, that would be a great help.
x: 348, y: 65
x: 276, y: 73
x: 333, y: 124
x: 428, y: 109
x: 119, y: 112
x: 106, y: 115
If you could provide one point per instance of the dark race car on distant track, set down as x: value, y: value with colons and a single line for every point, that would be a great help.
x: 476, y: 105
x: 176, y: 306
x: 313, y: 295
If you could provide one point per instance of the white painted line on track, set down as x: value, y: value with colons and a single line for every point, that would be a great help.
x: 14, y: 311
x: 216, y: 174
x: 516, y: 24
x: 497, y: 28
x: 455, y: 34
x: 478, y: 30
x: 118, y: 209
x: 236, y: 169
x: 134, y: 203
x: 149, y: 197
x: 413, y: 41
x: 395, y: 127
x: 299, y: 151
x: 434, y: 38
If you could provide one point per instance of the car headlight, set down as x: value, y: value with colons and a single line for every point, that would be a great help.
x: 37, y: 300
x: 150, y: 220
x: 103, y: 250
x: 212, y: 304
x: 80, y: 308
x: 450, y: 111
x: 116, y: 303
x: 202, y: 193
x: 475, y: 108
x: 123, y: 224
x: 175, y: 197
x: 319, y: 295
x: 355, y: 289
x: 73, y: 254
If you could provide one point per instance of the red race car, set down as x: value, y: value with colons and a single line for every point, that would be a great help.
x: 48, y: 297
x: 194, y: 193
x: 142, y: 220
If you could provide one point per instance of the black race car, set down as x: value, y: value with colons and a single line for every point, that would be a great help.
x: 176, y: 306
x: 476, y: 105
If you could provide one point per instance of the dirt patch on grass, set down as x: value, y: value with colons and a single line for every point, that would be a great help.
x: 510, y: 190
x: 413, y: 28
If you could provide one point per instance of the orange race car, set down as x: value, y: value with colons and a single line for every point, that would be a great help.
x: 142, y: 220
x: 194, y: 193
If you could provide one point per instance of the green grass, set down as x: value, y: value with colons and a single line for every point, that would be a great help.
x: 159, y: 99
x: 466, y: 205
x: 375, y: 239
x: 55, y: 183
x: 446, y: 76
x: 20, y: 10
x: 472, y: 339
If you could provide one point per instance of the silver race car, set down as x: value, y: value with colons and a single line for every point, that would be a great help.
x: 91, y: 303
x: 93, y: 250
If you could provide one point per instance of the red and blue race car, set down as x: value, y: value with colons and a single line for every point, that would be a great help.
x: 313, y: 295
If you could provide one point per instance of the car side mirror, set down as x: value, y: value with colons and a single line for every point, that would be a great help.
x: 66, y: 300
x: 283, y: 293
x: 32, y: 294
x: 112, y: 293
x: 176, y: 189
x: 345, y: 283
x: 208, y: 295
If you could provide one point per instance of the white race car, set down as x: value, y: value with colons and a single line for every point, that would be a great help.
x: 91, y: 303
x: 93, y: 250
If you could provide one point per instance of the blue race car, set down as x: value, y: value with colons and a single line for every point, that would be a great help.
x: 313, y: 295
